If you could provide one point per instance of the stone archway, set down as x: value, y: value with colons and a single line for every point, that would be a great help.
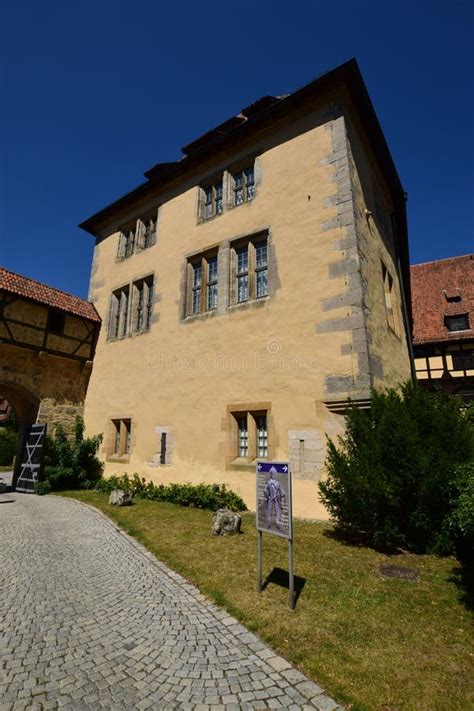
x: 25, y: 405
x: 23, y: 401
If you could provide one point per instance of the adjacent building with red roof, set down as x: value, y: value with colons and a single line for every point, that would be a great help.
x: 47, y: 345
x: 443, y: 324
x: 33, y: 290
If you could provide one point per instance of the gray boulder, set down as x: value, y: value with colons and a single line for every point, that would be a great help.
x: 118, y: 497
x: 225, y: 523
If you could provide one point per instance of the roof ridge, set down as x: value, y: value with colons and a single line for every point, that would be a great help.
x: 41, y: 283
x: 37, y: 291
x: 443, y: 259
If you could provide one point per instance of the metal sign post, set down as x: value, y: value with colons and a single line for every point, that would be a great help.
x: 274, y: 514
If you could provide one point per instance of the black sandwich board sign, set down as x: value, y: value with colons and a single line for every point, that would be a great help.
x: 274, y: 512
x: 31, y: 459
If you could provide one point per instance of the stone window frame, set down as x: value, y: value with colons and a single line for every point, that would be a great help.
x: 122, y: 316
x: 142, y: 304
x: 251, y: 411
x: 226, y: 179
x: 121, y: 430
x: 137, y: 235
x: 248, y: 187
x: 226, y: 277
x: 119, y: 313
x: 215, y: 188
x: 163, y: 456
x: 201, y: 259
x: 253, y: 269
x: 390, y: 300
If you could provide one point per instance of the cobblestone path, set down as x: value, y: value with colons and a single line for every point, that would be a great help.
x: 90, y: 620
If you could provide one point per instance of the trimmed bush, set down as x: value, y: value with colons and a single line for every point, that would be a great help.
x: 392, y: 476
x: 200, y: 496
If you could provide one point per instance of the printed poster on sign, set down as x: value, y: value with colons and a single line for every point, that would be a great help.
x: 274, y: 498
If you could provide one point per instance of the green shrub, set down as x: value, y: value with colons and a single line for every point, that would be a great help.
x: 42, y: 488
x: 71, y: 464
x: 8, y: 445
x: 461, y: 520
x: 124, y: 482
x: 392, y: 475
x: 200, y: 496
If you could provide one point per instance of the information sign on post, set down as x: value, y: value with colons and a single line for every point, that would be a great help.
x: 274, y: 513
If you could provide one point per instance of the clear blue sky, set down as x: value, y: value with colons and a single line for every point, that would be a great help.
x: 94, y: 93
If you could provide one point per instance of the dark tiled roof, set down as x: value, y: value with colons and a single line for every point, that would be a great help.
x: 247, y: 112
x: 36, y: 291
x: 259, y: 115
x: 436, y: 288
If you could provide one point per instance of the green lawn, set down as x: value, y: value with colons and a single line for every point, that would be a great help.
x: 6, y: 469
x: 372, y: 643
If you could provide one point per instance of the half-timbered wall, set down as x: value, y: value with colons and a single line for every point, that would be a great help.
x: 45, y: 361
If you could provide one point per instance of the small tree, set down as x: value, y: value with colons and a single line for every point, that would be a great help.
x: 392, y: 475
x: 71, y: 464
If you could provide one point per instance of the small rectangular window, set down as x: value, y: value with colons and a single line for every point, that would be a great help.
x: 131, y: 236
x: 261, y: 268
x: 56, y: 321
x: 244, y: 185
x: 213, y: 204
x: 150, y: 232
x: 463, y: 360
x: 116, y: 446
x: 242, y: 274
x: 197, y: 281
x: 212, y: 283
x: 121, y: 437
x: 391, y: 307
x: 119, y: 313
x: 243, y: 443
x: 262, y: 436
x: 137, y: 236
x: 202, y: 286
x: 143, y: 296
x: 250, y: 270
x: 251, y: 431
x: 457, y: 323
x: 163, y: 448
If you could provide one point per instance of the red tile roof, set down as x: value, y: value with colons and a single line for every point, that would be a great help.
x: 430, y: 304
x: 36, y: 291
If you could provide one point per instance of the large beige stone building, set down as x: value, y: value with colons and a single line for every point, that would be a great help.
x: 249, y: 290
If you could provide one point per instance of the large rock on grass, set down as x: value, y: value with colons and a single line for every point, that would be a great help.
x: 118, y: 497
x: 225, y: 523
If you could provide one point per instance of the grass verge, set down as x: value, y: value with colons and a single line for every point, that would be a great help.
x: 371, y: 642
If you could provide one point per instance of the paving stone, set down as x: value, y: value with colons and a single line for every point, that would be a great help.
x: 89, y: 620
